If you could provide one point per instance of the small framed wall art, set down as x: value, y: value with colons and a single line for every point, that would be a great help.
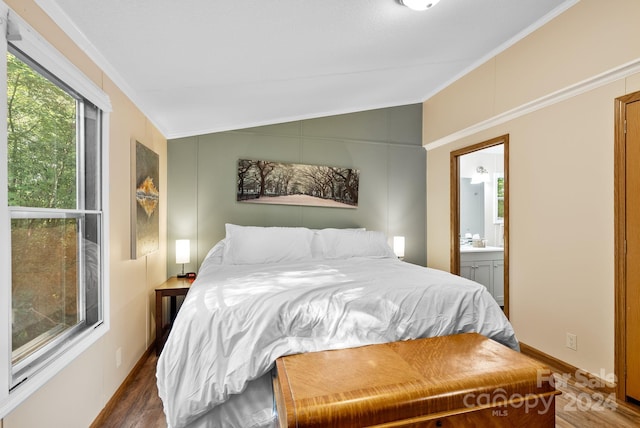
x: 145, y: 223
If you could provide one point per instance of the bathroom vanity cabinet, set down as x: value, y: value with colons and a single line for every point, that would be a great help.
x: 486, y: 266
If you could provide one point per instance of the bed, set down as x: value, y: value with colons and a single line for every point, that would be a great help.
x: 265, y: 292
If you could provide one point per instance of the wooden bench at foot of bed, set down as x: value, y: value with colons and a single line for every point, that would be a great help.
x: 461, y: 380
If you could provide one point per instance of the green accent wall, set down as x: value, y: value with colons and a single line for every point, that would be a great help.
x: 384, y: 144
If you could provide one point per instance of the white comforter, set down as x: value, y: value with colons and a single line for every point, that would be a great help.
x: 237, y: 320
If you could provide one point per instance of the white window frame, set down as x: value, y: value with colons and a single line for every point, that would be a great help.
x: 31, y: 43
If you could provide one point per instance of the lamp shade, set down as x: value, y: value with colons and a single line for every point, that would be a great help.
x: 183, y: 251
x: 398, y: 246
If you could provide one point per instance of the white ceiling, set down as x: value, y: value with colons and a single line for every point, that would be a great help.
x: 200, y: 66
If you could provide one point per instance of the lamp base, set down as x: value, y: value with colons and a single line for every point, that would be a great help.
x: 182, y: 274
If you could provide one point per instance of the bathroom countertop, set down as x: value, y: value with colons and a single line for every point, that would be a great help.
x: 471, y: 249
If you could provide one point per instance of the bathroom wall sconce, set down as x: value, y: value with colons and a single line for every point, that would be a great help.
x: 183, y: 254
x: 480, y: 176
x: 398, y: 246
x: 418, y: 5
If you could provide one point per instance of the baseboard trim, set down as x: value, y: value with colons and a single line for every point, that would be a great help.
x: 594, y: 382
x: 117, y: 396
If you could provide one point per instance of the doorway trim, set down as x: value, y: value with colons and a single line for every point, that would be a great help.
x: 620, y: 222
x: 455, y: 207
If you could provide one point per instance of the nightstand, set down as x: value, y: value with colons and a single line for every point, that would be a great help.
x: 172, y: 287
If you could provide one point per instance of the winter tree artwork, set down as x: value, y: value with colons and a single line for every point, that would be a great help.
x: 267, y: 182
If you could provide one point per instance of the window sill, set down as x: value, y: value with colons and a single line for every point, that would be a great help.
x: 22, y: 391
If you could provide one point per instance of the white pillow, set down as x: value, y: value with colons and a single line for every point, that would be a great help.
x: 344, y: 243
x: 254, y: 244
x: 215, y: 253
x: 317, y: 250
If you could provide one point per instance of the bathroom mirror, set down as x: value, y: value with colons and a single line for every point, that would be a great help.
x: 479, y: 216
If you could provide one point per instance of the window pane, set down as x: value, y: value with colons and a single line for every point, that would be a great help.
x: 91, y: 245
x: 500, y: 187
x: 92, y: 157
x: 44, y: 289
x: 41, y: 123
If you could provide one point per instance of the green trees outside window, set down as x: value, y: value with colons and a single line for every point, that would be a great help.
x: 499, y: 200
x: 41, y: 124
x: 53, y: 154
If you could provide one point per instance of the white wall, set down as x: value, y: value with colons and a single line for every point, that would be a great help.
x: 561, y: 224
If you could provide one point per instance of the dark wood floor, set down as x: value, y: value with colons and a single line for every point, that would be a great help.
x: 577, y: 407
x: 140, y: 406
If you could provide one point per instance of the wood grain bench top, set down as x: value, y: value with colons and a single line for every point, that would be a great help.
x: 380, y: 384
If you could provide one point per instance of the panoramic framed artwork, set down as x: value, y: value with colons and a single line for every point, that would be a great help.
x: 145, y: 223
x: 267, y: 182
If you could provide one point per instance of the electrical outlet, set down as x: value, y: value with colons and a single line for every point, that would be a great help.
x: 572, y: 341
x: 118, y: 357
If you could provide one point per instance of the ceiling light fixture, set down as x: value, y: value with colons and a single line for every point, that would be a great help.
x: 419, y: 4
x: 480, y: 176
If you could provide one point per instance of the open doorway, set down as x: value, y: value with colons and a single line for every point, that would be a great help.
x: 480, y: 216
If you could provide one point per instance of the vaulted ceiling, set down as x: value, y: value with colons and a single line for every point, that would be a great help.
x: 201, y: 66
